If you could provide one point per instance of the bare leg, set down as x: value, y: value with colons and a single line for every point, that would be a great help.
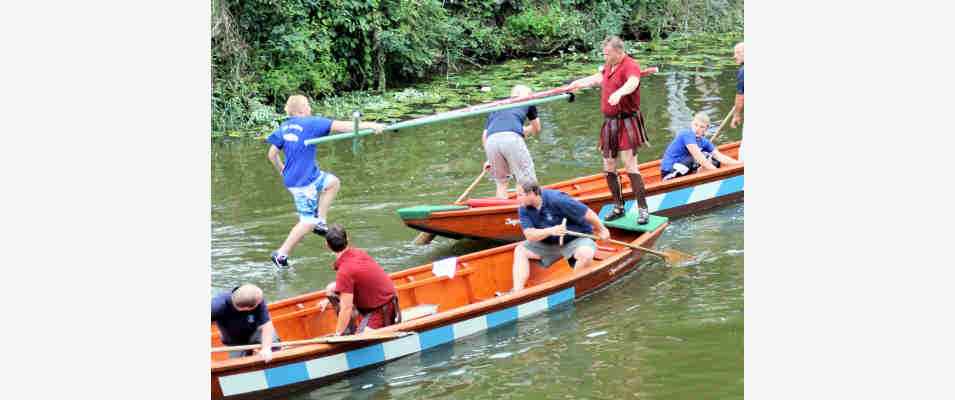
x: 501, y: 191
x: 298, y: 232
x: 332, y: 184
x: 521, y: 270
x: 725, y: 159
x: 584, y: 255
x: 629, y: 161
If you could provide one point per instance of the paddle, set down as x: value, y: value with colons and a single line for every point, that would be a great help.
x: 670, y: 256
x: 424, y: 238
x: 329, y: 339
x: 722, y: 124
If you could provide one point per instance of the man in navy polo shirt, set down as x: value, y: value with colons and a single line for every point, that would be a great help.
x: 542, y: 212
x: 312, y: 189
x: 690, y: 150
x: 738, y: 114
x: 503, y: 139
x: 243, y: 318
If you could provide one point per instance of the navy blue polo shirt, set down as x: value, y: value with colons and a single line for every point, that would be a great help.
x: 739, y: 80
x: 556, y: 206
x: 510, y: 120
x: 237, y: 326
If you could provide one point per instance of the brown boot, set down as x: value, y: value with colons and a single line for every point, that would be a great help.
x: 613, y: 182
x: 640, y: 194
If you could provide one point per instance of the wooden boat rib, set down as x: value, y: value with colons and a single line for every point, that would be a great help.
x: 673, y: 198
x: 465, y: 305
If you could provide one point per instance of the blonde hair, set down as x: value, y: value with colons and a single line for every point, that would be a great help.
x: 520, y: 91
x: 246, y: 296
x: 702, y: 118
x: 296, y: 104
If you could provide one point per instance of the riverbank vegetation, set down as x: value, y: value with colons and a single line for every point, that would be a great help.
x: 395, y: 59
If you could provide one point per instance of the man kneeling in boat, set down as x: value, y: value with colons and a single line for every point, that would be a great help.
x: 542, y: 213
x: 360, y: 284
x: 690, y: 150
x: 243, y: 318
x: 503, y: 140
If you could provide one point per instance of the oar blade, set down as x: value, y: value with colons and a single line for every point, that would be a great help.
x: 676, y: 257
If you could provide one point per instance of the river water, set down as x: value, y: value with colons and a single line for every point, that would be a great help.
x: 664, y: 333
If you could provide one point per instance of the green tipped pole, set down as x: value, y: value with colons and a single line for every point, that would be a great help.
x: 436, y: 118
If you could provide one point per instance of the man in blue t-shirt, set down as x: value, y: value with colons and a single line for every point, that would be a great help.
x: 690, y: 150
x: 542, y: 213
x: 243, y: 318
x: 503, y: 139
x: 312, y: 189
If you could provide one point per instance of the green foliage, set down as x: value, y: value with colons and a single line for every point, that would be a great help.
x: 265, y: 50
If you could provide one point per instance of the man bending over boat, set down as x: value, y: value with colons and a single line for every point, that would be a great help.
x: 542, y: 213
x: 623, y: 131
x: 243, y: 318
x: 312, y: 189
x: 690, y: 150
x: 503, y: 140
x: 360, y: 284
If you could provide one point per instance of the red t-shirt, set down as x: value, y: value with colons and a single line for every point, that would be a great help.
x: 360, y: 275
x: 614, y: 80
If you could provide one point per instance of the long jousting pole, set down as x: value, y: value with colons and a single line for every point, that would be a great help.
x: 450, y: 115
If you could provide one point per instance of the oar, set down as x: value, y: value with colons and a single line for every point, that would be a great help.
x: 671, y: 256
x: 720, y: 129
x: 329, y: 339
x: 424, y: 238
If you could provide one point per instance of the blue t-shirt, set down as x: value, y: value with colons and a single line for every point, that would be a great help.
x: 556, y: 206
x: 237, y: 326
x: 739, y: 80
x: 510, y: 120
x: 300, y: 165
x: 677, y: 148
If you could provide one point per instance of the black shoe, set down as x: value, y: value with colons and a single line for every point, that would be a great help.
x: 279, y: 261
x: 618, y: 211
x: 644, y: 217
x: 320, y: 229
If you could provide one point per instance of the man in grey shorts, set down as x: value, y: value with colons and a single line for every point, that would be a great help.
x: 504, y: 145
x: 542, y: 213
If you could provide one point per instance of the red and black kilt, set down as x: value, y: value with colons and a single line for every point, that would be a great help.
x: 626, y: 131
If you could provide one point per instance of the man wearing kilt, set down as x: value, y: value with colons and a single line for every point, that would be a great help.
x: 623, y: 130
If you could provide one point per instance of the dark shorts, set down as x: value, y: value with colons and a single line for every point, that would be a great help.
x: 627, y: 133
x: 256, y: 338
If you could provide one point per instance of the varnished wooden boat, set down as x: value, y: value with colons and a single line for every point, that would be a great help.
x: 460, y: 306
x: 496, y: 219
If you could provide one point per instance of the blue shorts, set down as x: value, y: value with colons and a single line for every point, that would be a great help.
x: 306, y: 198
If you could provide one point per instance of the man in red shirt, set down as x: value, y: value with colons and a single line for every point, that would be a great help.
x: 360, y: 283
x: 623, y: 130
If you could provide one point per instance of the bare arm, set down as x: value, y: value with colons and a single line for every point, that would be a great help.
x: 738, y: 114
x: 348, y: 126
x: 484, y: 139
x: 698, y: 156
x: 632, y: 83
x: 536, y: 235
x: 344, y: 314
x: 598, y: 226
x: 725, y: 159
x: 534, y: 127
x: 586, y: 82
x: 275, y: 159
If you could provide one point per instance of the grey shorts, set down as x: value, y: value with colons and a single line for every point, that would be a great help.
x: 550, y: 253
x: 509, y: 157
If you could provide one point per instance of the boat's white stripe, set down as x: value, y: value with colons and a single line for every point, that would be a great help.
x: 401, y: 347
x: 470, y: 327
x: 527, y: 309
x: 243, y: 383
x: 325, y: 366
x: 705, y: 191
x: 653, y: 202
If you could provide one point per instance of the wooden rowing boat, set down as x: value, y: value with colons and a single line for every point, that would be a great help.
x: 455, y: 307
x: 496, y: 219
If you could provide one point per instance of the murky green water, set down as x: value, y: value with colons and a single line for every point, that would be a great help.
x: 660, y: 333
